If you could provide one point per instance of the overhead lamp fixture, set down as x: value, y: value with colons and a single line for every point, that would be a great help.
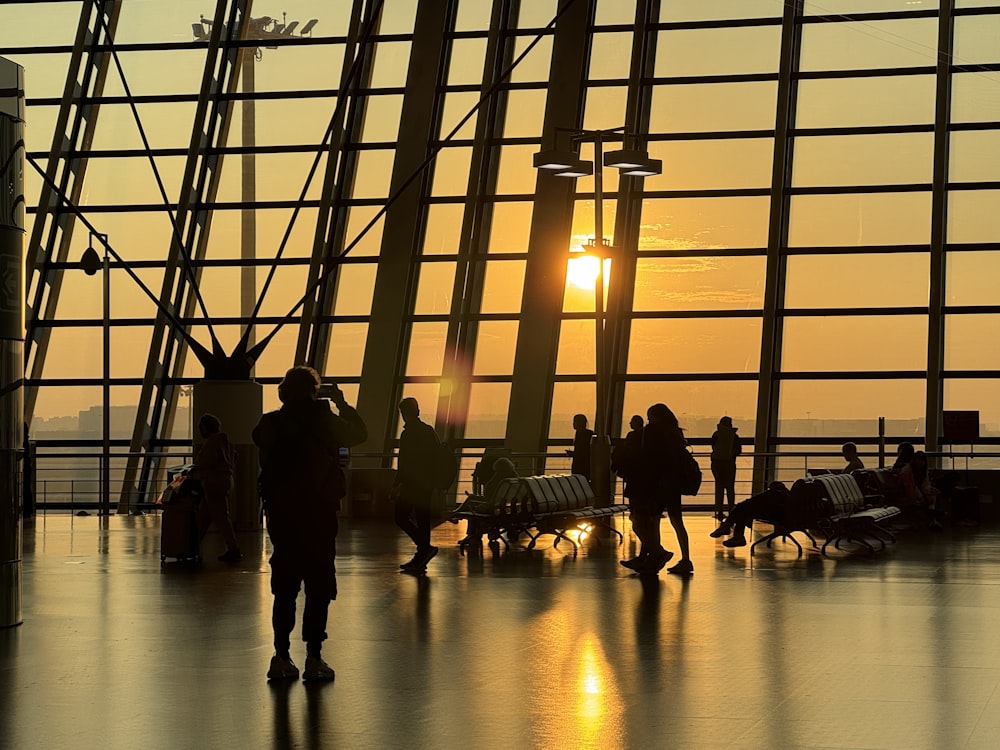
x: 555, y: 160
x: 581, y: 168
x: 633, y: 162
x: 650, y: 168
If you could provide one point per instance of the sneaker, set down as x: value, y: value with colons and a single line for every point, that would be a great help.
x: 411, y: 563
x: 634, y: 564
x: 683, y: 568
x: 735, y: 541
x: 317, y: 669
x: 654, y: 561
x: 231, y: 555
x: 283, y: 668
x: 721, y: 531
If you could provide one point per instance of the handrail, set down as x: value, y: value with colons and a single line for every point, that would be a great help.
x: 71, y: 480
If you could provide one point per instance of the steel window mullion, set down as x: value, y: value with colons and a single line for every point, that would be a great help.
x: 770, y: 350
x: 939, y: 227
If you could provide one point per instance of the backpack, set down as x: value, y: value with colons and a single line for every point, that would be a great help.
x: 445, y: 468
x: 689, y: 476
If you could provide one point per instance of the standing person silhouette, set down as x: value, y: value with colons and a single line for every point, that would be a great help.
x: 582, y: 437
x: 626, y: 453
x: 414, y: 487
x: 301, y: 484
x: 654, y: 488
x: 213, y: 467
x: 725, y: 448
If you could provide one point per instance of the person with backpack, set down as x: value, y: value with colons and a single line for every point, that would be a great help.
x: 420, y: 453
x: 301, y: 484
x: 656, y: 481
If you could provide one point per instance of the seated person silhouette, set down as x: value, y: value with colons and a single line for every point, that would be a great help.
x: 503, y: 468
x: 768, y: 505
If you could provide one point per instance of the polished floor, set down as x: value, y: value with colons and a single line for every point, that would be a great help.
x: 524, y: 649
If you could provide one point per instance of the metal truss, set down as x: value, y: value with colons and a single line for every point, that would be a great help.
x: 199, y: 186
x: 52, y: 231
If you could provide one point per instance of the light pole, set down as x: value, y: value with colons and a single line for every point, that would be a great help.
x: 567, y: 163
x: 91, y: 263
x: 261, y: 29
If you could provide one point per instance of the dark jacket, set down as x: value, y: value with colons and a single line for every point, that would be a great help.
x: 418, y: 447
x: 656, y: 472
x: 726, y: 445
x: 301, y: 480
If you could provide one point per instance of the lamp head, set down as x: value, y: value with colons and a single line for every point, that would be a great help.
x: 91, y: 262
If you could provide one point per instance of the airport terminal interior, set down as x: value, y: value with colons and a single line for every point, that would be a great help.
x: 515, y: 211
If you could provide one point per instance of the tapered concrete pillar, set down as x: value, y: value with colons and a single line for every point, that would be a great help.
x: 11, y: 335
x: 238, y: 403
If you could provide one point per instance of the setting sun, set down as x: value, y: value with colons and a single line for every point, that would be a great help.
x: 582, y: 270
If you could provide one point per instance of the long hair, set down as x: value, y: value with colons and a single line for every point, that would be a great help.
x: 661, y: 413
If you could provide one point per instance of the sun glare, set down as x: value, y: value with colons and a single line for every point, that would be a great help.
x: 581, y: 271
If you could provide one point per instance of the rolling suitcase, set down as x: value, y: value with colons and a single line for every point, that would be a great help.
x: 179, y: 536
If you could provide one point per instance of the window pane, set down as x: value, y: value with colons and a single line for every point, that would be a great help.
x: 704, y: 223
x: 697, y: 404
x: 702, y: 346
x: 355, y: 287
x: 858, y: 45
x: 971, y: 278
x: 503, y: 286
x: 534, y: 68
x: 525, y: 110
x: 516, y: 175
x: 699, y: 10
x: 976, y: 39
x: 458, y: 104
x: 854, y: 343
x: 576, y: 348
x: 392, y: 60
x: 974, y: 156
x: 975, y: 395
x: 847, y: 102
x: 510, y: 227
x: 973, y: 216
x: 605, y: 108
x: 443, y: 228
x: 861, y: 219
x: 965, y: 338
x: 712, y: 165
x: 434, y: 289
x: 427, y: 350
x: 839, y: 407
x: 381, y: 121
x: 857, y: 280
x: 451, y: 172
x: 487, y: 415
x: 832, y: 7
x: 358, y: 218
x: 372, y: 174
x: 614, y: 12
x: 724, y: 283
x: 346, y: 349
x: 710, y: 107
x: 569, y: 399
x: 610, y: 55
x: 496, y: 342
x: 973, y: 97
x: 704, y: 52
x: 896, y: 159
x: 466, y: 66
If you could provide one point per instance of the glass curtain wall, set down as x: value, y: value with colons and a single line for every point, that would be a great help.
x: 816, y: 254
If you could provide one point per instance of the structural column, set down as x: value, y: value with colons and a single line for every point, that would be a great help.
x: 11, y: 335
